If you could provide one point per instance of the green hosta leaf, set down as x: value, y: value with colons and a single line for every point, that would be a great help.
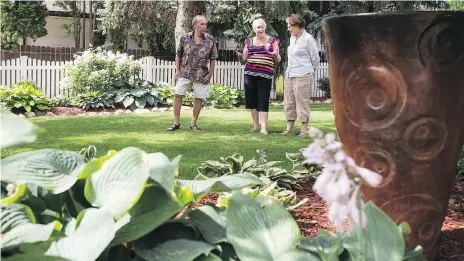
x: 162, y: 170
x: 119, y: 183
x: 260, y: 228
x: 33, y: 252
x: 29, y: 233
x: 95, y: 164
x: 19, y: 193
x: 210, y: 257
x: 28, y: 108
x: 15, y: 130
x: 325, y: 245
x: 119, y: 97
x: 95, y: 231
x: 155, y: 207
x: 298, y: 255
x: 140, y: 102
x: 210, y: 224
x: 176, y: 250
x: 383, y: 236
x: 150, y: 100
x: 128, y: 100
x: 54, y: 170
x: 14, y: 215
x: 138, y: 93
x: 221, y: 184
x: 184, y: 195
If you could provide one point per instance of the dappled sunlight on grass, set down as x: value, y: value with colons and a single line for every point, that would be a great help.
x: 223, y: 133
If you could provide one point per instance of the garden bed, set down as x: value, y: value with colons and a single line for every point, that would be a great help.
x: 312, y: 217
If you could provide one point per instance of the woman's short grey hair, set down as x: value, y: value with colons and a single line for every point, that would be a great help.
x: 259, y: 21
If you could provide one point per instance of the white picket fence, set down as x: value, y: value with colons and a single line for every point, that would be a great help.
x: 47, y: 74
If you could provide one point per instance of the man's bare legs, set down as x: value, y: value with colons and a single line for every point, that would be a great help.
x: 176, y: 108
x: 197, y: 105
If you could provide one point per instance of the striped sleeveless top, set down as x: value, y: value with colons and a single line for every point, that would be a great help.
x: 260, y: 62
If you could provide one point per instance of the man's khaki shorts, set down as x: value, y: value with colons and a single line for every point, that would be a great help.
x: 200, y: 90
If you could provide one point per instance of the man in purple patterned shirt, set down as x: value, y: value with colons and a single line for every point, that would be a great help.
x: 195, y: 52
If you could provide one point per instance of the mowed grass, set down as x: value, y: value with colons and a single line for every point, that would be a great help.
x: 223, y: 132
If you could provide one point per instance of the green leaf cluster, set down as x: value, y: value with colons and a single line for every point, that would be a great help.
x: 21, y: 19
x: 24, y: 97
x: 128, y: 205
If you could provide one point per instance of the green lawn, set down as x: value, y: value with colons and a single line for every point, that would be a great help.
x: 223, y: 133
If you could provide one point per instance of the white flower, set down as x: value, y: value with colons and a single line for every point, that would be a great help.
x: 340, y: 156
x: 314, y: 154
x: 372, y: 178
x: 315, y: 132
x: 329, y: 137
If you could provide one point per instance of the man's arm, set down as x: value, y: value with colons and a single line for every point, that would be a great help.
x: 212, y: 63
x: 179, y: 53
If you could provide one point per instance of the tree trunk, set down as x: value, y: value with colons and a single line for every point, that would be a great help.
x: 186, y: 11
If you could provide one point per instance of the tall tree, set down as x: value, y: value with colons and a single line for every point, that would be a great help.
x: 186, y: 11
x: 152, y: 22
x: 21, y: 19
x: 74, y: 28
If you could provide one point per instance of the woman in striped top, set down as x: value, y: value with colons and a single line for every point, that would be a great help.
x: 260, y: 53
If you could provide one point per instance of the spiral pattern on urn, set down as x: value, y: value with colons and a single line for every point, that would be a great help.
x: 441, y: 45
x: 376, y: 93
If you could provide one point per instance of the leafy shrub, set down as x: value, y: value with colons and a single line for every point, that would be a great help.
x: 24, y: 97
x: 324, y: 85
x: 258, y: 166
x: 223, y: 97
x: 137, y: 98
x: 99, y: 70
x: 127, y: 205
x: 220, y: 96
x: 285, y: 196
x: 460, y: 169
x: 62, y: 101
x: 95, y: 100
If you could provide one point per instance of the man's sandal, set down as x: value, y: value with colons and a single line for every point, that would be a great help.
x: 173, y: 127
x: 303, y: 134
x: 194, y: 127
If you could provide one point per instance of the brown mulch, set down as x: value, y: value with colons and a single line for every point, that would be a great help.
x: 312, y: 217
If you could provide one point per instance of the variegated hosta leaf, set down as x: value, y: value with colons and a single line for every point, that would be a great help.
x: 162, y: 170
x: 15, y: 130
x: 29, y: 233
x: 261, y: 228
x: 210, y: 224
x: 19, y: 193
x: 154, y: 208
x: 177, y: 249
x: 221, y: 184
x: 51, y: 169
x: 95, y: 231
x: 14, y: 215
x: 119, y: 183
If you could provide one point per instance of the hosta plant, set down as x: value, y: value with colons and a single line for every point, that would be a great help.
x: 128, y: 205
x: 285, y: 196
x: 94, y: 100
x: 62, y: 101
x: 259, y: 166
x: 137, y: 98
x: 24, y: 97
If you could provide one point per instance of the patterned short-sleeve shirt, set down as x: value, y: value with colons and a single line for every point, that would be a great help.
x: 195, y: 58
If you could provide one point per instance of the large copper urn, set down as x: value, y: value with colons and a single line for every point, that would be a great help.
x: 397, y: 84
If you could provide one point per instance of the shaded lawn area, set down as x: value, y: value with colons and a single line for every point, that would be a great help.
x: 223, y: 133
